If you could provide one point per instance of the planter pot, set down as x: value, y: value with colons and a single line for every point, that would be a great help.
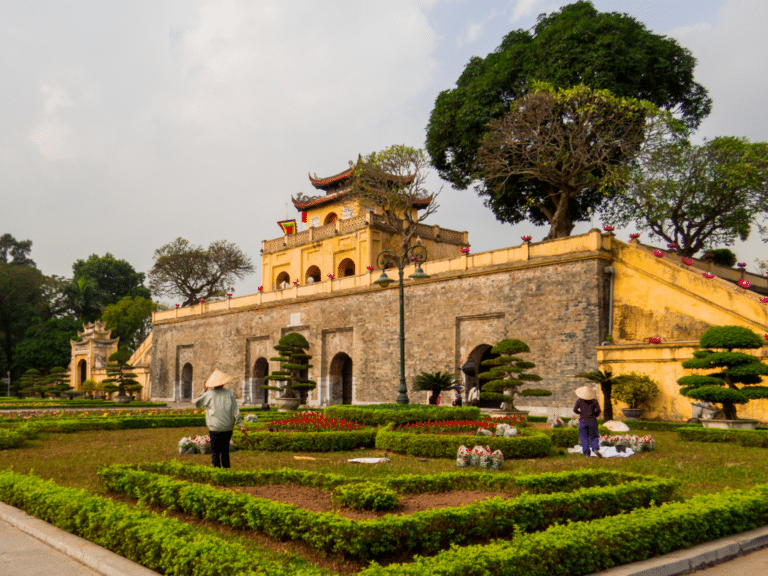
x: 287, y: 404
x: 730, y: 424
x: 632, y: 413
x: 122, y: 399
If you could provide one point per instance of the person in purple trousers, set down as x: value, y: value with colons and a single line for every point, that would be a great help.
x: 588, y: 409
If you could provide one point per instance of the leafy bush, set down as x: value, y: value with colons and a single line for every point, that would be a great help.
x: 306, y: 441
x: 365, y: 496
x: 11, y: 438
x: 721, y: 257
x: 422, y: 532
x: 634, y: 389
x: 531, y: 445
x: 584, y: 548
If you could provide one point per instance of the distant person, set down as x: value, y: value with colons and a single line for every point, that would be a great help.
x: 221, y: 415
x: 457, y: 390
x: 474, y: 396
x: 588, y: 409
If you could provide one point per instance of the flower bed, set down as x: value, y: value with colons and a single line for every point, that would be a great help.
x: 422, y: 532
x: 381, y: 414
x: 449, y: 426
x: 306, y: 441
x: 636, y: 443
x: 316, y: 422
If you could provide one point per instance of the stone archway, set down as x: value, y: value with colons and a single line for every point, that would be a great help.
x: 340, y: 379
x: 478, y: 355
x: 346, y: 268
x: 313, y: 272
x: 185, y: 393
x: 82, y: 373
x: 260, y: 371
x: 283, y: 280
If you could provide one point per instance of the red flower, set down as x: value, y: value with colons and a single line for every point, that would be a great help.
x: 742, y: 264
x: 526, y: 238
x: 708, y: 275
x: 658, y: 253
x: 608, y: 228
x: 687, y: 261
x: 744, y: 284
x: 261, y: 288
x: 764, y: 300
x: 634, y: 236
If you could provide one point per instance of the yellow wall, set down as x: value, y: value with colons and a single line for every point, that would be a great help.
x: 659, y: 297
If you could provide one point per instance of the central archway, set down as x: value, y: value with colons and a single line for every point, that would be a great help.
x: 260, y: 371
x: 340, y: 378
x: 186, y: 383
x: 478, y: 355
x: 82, y: 373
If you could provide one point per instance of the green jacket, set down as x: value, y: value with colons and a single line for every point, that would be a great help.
x: 221, y: 411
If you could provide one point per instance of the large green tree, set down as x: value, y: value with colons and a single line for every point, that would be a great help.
x: 15, y: 250
x: 556, y: 152
x: 193, y: 272
x: 696, y: 195
x: 115, y: 279
x: 576, y: 45
x: 21, y: 301
x: 130, y: 320
x: 46, y: 344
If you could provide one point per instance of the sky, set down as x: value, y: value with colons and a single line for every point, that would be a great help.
x: 125, y: 125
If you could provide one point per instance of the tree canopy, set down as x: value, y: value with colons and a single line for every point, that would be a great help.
x: 394, y: 180
x: 576, y: 45
x: 130, y: 320
x: 114, y: 279
x: 17, y: 250
x: 696, y: 195
x: 21, y: 301
x: 45, y: 344
x: 193, y: 272
x: 554, y: 155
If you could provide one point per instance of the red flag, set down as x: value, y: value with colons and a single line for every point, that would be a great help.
x: 288, y: 226
x: 304, y: 217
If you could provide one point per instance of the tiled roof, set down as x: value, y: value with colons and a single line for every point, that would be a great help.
x: 320, y: 183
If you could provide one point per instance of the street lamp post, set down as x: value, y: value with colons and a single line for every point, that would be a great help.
x: 418, y: 255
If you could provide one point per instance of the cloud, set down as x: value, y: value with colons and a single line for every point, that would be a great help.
x: 471, y: 33
x: 524, y: 8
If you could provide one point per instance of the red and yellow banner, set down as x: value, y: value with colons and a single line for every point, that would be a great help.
x: 288, y: 226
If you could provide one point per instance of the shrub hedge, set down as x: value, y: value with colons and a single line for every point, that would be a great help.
x: 365, y: 496
x: 568, y: 437
x: 590, y: 547
x: 543, y: 483
x: 750, y: 438
x: 156, y: 542
x: 530, y: 445
x: 381, y: 414
x: 423, y: 532
x: 305, y: 441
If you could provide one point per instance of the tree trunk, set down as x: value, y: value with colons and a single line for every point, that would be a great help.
x: 607, y: 402
x: 560, y: 225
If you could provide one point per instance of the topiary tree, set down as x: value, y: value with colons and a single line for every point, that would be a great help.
x: 120, y: 377
x: 435, y: 381
x: 293, y: 361
x: 507, y: 374
x: 635, y: 389
x: 58, y: 381
x: 33, y: 383
x: 606, y: 381
x: 732, y: 368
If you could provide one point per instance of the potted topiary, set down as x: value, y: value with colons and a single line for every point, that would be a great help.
x: 293, y: 361
x: 435, y: 382
x: 731, y: 368
x: 507, y: 374
x: 634, y: 390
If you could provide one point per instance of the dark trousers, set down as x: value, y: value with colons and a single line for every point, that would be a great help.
x: 589, y: 437
x: 220, y: 448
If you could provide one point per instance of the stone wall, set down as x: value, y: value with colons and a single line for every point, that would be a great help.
x: 556, y: 304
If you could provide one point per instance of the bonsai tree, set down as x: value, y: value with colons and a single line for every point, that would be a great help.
x: 58, y: 382
x: 33, y: 383
x: 435, y: 381
x: 634, y: 389
x: 731, y: 368
x: 293, y: 360
x: 120, y: 377
x: 606, y: 381
x: 507, y: 374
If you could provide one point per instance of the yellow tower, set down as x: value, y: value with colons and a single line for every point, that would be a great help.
x: 343, y: 237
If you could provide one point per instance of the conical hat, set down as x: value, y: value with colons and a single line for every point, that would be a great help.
x: 585, y: 393
x: 218, y: 378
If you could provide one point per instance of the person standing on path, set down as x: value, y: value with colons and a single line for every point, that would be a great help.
x: 221, y: 415
x: 588, y: 409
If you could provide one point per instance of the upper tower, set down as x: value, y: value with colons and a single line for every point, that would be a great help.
x: 343, y: 237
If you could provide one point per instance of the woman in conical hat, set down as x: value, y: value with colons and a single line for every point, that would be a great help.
x: 221, y: 415
x: 588, y: 409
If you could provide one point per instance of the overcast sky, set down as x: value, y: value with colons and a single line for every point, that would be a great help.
x: 125, y: 125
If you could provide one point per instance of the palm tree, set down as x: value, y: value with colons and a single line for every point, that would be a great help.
x: 84, y: 299
x: 436, y: 382
x: 606, y: 380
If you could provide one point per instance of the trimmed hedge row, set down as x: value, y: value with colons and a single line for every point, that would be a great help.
x: 654, y: 426
x: 106, y: 423
x: 158, y: 543
x: 305, y: 441
x: 381, y: 414
x: 590, y: 547
x: 568, y: 437
x: 532, y: 445
x: 543, y: 483
x: 423, y: 532
x: 43, y: 404
x: 749, y: 438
